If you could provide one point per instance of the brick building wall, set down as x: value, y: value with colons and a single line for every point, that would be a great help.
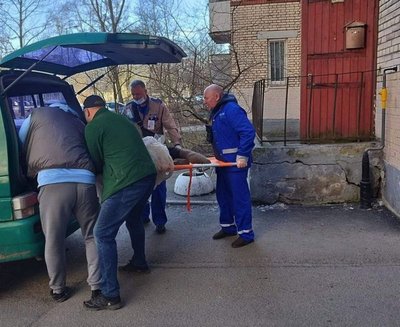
x: 254, y: 24
x: 250, y: 27
x: 389, y: 33
x: 392, y: 136
x: 389, y: 56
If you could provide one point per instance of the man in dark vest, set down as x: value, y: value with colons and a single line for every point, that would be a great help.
x: 56, y: 155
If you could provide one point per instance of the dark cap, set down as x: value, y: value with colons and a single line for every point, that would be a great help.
x: 93, y: 101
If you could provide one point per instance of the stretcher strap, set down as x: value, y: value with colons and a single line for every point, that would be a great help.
x: 213, y: 163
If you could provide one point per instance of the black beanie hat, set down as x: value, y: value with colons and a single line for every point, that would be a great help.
x: 93, y: 101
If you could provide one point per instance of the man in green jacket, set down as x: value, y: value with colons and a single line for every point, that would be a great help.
x: 129, y: 174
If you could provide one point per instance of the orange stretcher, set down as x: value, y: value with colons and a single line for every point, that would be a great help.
x: 213, y: 163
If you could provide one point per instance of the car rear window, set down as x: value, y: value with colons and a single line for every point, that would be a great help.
x: 22, y: 105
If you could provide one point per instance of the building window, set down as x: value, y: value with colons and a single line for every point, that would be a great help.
x: 277, y: 55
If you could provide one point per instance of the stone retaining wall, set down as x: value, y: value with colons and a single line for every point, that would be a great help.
x: 312, y: 174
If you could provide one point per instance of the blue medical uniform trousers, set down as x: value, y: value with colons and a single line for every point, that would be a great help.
x: 234, y: 200
x: 158, y: 202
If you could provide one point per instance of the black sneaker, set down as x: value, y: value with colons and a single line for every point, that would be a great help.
x: 160, y: 229
x: 101, y: 302
x: 130, y: 267
x: 61, y: 297
x: 95, y: 293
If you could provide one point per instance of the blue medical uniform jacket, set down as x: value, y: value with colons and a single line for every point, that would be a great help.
x: 232, y: 132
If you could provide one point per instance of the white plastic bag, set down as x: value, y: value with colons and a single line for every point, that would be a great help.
x: 161, y: 158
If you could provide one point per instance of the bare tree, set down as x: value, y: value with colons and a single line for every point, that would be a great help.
x: 63, y: 19
x: 179, y: 84
x: 5, y: 45
x: 23, y: 21
x: 97, y: 16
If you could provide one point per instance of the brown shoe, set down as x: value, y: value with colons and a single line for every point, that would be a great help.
x: 221, y: 234
x: 239, y: 242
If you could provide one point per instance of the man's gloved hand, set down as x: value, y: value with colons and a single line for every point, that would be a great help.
x: 241, y: 162
x: 160, y: 138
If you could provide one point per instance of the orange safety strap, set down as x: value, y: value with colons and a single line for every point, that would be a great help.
x: 190, y: 166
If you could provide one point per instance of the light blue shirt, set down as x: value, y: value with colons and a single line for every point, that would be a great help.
x: 65, y: 175
x: 23, y: 131
x: 58, y: 175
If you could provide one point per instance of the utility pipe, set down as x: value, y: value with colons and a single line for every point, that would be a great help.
x: 365, y: 184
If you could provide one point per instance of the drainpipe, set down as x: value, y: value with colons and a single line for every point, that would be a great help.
x: 365, y: 184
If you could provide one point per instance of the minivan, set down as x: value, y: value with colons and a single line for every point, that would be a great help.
x: 35, y: 76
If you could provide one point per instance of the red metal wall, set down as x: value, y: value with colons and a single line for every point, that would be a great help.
x: 337, y: 96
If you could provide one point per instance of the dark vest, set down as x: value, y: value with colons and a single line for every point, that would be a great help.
x: 56, y: 139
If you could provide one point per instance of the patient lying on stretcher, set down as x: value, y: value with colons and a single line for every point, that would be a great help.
x: 182, y: 156
x: 166, y: 158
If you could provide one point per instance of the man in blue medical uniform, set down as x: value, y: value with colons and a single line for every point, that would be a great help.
x: 232, y: 136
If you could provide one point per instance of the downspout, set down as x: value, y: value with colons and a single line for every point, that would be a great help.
x: 365, y: 184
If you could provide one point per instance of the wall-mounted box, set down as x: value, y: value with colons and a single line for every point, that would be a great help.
x: 355, y: 35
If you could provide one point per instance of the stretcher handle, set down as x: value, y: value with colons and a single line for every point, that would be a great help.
x: 190, y: 165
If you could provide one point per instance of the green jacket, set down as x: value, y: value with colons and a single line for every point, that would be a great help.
x: 118, y: 151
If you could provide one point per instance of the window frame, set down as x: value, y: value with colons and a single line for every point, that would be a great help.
x: 281, y: 82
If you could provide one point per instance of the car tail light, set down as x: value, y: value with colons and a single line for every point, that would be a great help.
x: 25, y: 205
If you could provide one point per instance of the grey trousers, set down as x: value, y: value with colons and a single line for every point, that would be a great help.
x: 58, y: 203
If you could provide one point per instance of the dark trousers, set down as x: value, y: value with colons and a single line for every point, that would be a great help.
x: 158, y: 203
x: 124, y: 206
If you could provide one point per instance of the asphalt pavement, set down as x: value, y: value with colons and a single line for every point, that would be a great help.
x: 334, y: 265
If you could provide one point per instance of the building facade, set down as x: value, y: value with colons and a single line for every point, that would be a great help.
x: 264, y: 38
